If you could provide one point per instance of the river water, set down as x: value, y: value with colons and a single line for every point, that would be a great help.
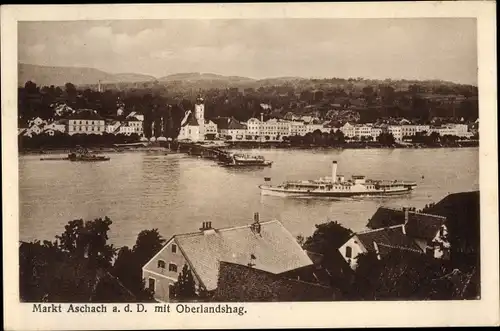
x: 176, y: 193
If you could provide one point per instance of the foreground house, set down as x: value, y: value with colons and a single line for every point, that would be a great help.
x: 241, y: 283
x: 415, y: 232
x: 265, y: 246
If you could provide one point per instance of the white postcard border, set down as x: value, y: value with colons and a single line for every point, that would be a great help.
x: 19, y: 316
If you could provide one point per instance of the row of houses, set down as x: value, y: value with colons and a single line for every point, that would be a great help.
x: 86, y: 121
x: 194, y: 127
x: 262, y: 261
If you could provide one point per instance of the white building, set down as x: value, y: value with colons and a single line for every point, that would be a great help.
x: 232, y: 130
x: 86, y: 122
x: 375, y: 131
x: 399, y: 230
x: 111, y: 126
x: 348, y: 130
x: 362, y: 131
x: 396, y: 131
x: 136, y: 124
x: 411, y: 130
x: 56, y: 126
x: 137, y: 115
x: 193, y: 123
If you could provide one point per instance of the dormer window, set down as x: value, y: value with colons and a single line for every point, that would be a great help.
x: 161, y: 264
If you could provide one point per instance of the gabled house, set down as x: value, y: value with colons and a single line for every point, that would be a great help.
x: 190, y: 128
x: 230, y: 129
x: 56, y: 126
x: 136, y: 116
x: 242, y: 283
x: 399, y: 229
x: 266, y: 246
x: 112, y: 126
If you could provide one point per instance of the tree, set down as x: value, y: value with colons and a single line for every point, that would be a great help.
x: 401, y: 275
x: 386, y: 138
x: 148, y: 243
x: 129, y: 262
x: 327, y: 237
x: 88, y: 240
x: 185, y: 287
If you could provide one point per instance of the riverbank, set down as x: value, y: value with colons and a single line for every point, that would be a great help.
x: 95, y: 150
x: 250, y: 145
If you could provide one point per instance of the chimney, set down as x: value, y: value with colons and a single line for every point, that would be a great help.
x: 206, y: 226
x: 406, y: 211
x: 255, y: 227
x: 334, y: 171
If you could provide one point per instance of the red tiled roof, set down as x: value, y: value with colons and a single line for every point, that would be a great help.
x: 391, y: 236
x: 275, y: 250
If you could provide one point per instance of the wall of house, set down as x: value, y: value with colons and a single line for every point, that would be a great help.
x: 356, y: 249
x: 163, y: 276
x: 441, y: 244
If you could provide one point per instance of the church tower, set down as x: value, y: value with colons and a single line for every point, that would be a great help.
x: 199, y: 110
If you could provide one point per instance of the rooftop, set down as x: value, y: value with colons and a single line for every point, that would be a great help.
x: 274, y: 250
x: 390, y: 236
x: 246, y: 284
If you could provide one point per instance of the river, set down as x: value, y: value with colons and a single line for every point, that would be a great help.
x: 176, y: 193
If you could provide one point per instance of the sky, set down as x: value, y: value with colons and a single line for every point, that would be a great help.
x: 414, y: 48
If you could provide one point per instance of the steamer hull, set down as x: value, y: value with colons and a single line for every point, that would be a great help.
x: 336, y: 186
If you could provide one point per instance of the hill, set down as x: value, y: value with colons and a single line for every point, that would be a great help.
x: 58, y: 76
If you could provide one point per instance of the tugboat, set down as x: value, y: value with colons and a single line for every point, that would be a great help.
x: 337, y: 186
x: 244, y: 160
x: 83, y: 155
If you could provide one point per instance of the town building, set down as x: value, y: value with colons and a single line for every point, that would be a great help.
x: 193, y: 123
x: 135, y: 124
x: 409, y: 130
x: 362, y: 131
x: 348, y: 130
x: 375, y: 131
x: 230, y: 129
x: 265, y: 246
x: 399, y: 229
x: 56, y: 126
x: 396, y: 132
x: 112, y: 126
x: 85, y: 121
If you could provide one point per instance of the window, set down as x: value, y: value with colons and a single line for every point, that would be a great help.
x: 151, y: 284
x: 174, y: 248
x: 171, y: 290
x: 348, y: 252
x: 161, y: 264
x: 172, y: 267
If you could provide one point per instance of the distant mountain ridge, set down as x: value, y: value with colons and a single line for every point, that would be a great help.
x: 58, y: 76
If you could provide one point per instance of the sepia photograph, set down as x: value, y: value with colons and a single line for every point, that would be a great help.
x: 226, y: 160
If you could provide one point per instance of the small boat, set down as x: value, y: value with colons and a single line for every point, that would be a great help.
x: 337, y: 186
x: 245, y: 160
x: 83, y: 155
